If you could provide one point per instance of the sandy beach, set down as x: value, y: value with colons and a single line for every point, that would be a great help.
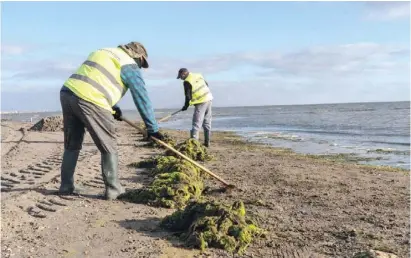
x: 310, y: 206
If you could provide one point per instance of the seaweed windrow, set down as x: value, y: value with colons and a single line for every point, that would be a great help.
x: 207, y: 224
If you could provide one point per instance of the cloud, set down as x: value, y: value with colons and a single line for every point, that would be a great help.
x: 335, y: 73
x: 320, y: 61
x: 8, y: 49
x: 337, y: 61
x: 252, y: 92
x: 22, y: 75
x: 46, y: 70
x: 282, y: 91
x: 389, y: 10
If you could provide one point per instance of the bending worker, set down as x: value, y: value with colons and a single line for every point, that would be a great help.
x: 88, y: 100
x: 197, y: 93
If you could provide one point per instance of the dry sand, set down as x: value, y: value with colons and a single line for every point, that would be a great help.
x: 311, y: 207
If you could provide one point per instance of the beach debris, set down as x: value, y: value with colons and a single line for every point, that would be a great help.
x: 49, y: 124
x: 204, y: 224
x: 193, y: 149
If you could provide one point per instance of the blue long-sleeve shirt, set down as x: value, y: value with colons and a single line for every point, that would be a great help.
x: 132, y: 78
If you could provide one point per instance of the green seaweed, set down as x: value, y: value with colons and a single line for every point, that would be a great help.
x: 168, y: 164
x: 211, y: 224
x: 168, y: 139
x: 179, y: 184
x: 389, y: 151
x: 176, y: 182
x: 169, y: 190
x: 342, y: 157
x: 193, y: 149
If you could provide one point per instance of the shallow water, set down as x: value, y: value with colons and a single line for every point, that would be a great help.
x: 360, y: 128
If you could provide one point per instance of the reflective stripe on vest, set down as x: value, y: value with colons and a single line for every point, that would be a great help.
x: 200, y: 91
x: 98, y: 79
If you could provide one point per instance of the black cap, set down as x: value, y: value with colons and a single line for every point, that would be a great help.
x: 182, y: 70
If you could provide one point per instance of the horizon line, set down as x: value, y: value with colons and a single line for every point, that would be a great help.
x: 250, y: 106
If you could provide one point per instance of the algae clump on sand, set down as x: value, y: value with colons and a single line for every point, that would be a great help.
x: 193, y: 149
x: 212, y: 224
x: 168, y: 139
x: 156, y: 162
x: 176, y: 182
x: 169, y: 190
x: 168, y: 164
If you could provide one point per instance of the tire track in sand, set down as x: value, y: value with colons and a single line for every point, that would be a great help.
x: 48, y: 205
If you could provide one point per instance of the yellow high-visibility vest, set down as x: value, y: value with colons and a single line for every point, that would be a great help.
x: 98, y: 79
x: 200, y: 91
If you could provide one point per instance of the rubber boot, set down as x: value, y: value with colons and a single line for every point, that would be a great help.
x: 109, y: 168
x: 68, y: 167
x: 207, y: 135
x: 194, y: 134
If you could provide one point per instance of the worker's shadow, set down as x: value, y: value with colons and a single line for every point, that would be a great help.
x: 50, y: 192
x: 150, y: 226
x: 142, y: 173
x: 61, y: 142
x: 140, y: 178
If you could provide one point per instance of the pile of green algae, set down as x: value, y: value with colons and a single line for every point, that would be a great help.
x: 205, y: 224
x: 176, y: 181
x: 178, y: 184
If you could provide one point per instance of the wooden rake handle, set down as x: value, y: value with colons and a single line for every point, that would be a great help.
x: 179, y: 154
x: 167, y: 117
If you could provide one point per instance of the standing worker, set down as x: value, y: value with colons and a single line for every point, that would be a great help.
x: 88, y: 100
x: 197, y: 93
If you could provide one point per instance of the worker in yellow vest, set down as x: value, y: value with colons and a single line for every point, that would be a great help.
x: 88, y: 100
x: 198, y: 94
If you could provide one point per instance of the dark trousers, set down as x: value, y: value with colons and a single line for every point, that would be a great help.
x: 79, y: 115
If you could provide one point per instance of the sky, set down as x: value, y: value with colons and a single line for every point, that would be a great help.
x: 251, y: 53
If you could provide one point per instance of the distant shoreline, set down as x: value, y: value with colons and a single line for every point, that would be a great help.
x: 251, y: 106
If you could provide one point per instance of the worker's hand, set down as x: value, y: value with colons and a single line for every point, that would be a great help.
x: 118, y: 113
x: 184, y: 108
x: 156, y: 135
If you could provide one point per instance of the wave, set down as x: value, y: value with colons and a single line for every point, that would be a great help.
x: 274, y: 136
x: 227, y: 118
x: 345, y: 133
x: 391, y: 143
x: 356, y: 110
